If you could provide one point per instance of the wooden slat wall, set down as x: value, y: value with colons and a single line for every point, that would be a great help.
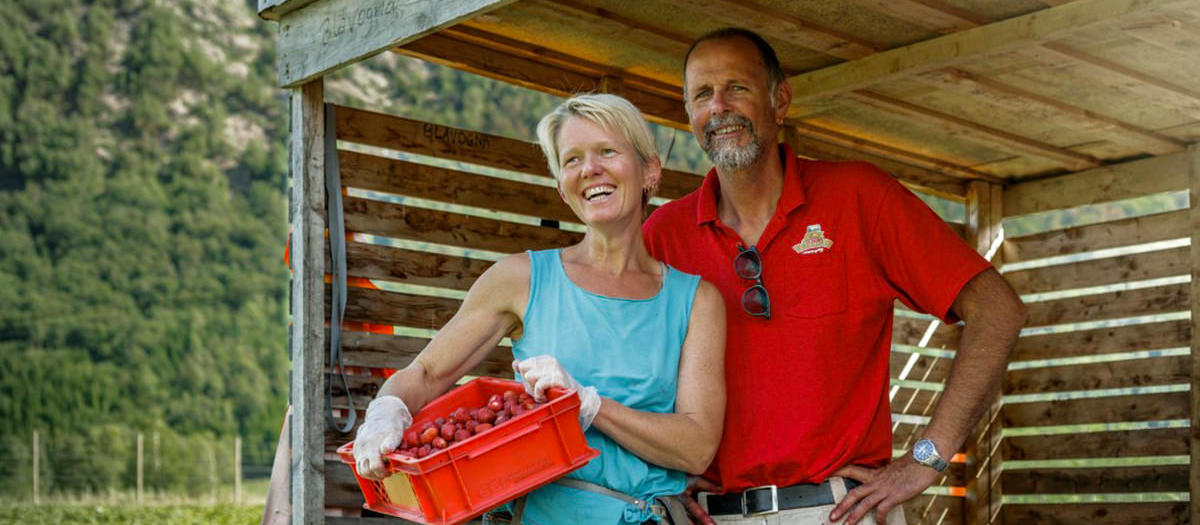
x: 1130, y: 465
x: 374, y: 308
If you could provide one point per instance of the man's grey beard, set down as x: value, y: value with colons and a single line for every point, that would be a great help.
x: 731, y: 158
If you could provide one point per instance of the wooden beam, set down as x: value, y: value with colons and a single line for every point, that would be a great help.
x: 392, y: 351
x: 860, y: 144
x: 1194, y: 219
x: 917, y: 12
x: 333, y: 33
x: 307, y: 337
x: 1172, y: 370
x: 984, y: 212
x: 770, y: 22
x: 914, y: 401
x: 945, y: 18
x: 1147, y: 228
x: 1054, y: 52
x: 950, y: 50
x: 1107, y: 444
x: 613, y: 23
x: 468, y: 33
x: 1110, y: 183
x: 344, y: 491
x: 538, y: 73
x: 418, y: 224
x: 1165, y: 513
x: 1034, y: 105
x: 1138, y: 407
x: 934, y: 509
x: 1148, y: 336
x: 1098, y: 272
x: 1072, y: 160
x: 925, y: 368
x: 274, y: 9
x: 1110, y: 480
x: 908, y: 331
x: 371, y: 261
x: 916, y: 177
x: 410, y: 179
x: 1165, y: 32
x: 1113, y: 305
x: 930, y: 14
x: 399, y: 309
x: 983, y: 491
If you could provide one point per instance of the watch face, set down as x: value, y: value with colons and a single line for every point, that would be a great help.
x: 923, y: 450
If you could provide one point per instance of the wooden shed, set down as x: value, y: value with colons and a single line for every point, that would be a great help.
x: 1017, y: 108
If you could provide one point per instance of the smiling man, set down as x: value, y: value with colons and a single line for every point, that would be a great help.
x: 809, y: 257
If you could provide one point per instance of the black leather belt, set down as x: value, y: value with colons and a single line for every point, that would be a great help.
x: 769, y: 498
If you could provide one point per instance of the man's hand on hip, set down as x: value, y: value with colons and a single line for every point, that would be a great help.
x: 882, y: 489
x: 698, y: 484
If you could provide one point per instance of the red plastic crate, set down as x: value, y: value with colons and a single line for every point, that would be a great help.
x: 455, y: 484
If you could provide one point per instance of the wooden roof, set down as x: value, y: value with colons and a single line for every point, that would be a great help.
x: 936, y: 91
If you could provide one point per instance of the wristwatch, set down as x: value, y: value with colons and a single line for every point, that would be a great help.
x: 926, y: 453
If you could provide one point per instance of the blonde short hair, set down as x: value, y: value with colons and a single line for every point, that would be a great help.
x: 610, y: 112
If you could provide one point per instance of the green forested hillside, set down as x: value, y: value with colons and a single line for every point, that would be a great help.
x: 142, y: 224
x: 142, y: 217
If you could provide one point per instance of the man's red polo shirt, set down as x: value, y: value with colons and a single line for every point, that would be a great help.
x: 808, y: 388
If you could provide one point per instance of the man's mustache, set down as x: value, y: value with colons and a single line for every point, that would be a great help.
x: 727, y: 119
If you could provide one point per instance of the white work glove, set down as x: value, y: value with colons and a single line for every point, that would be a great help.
x: 382, y: 431
x: 544, y: 371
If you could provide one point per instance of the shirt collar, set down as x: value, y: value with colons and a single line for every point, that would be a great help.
x: 790, y: 197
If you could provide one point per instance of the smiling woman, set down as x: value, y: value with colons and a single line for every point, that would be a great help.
x: 604, y: 158
x: 642, y: 343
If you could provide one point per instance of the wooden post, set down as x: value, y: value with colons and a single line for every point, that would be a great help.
x: 308, y: 303
x: 1194, y: 220
x: 139, y: 468
x: 982, y: 503
x: 35, y: 467
x: 212, y: 474
x: 612, y: 84
x: 237, y: 470
x: 157, y: 456
x: 325, y: 36
x: 277, y: 510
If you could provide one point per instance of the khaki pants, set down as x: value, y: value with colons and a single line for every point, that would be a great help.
x: 812, y: 515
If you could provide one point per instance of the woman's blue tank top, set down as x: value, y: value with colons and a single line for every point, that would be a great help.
x: 629, y: 350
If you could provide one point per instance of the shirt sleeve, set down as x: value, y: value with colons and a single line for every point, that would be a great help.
x: 922, y: 259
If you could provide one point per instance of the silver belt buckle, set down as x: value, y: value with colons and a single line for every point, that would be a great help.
x: 774, y: 501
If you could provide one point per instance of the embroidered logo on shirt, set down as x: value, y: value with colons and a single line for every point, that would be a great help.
x: 814, y: 241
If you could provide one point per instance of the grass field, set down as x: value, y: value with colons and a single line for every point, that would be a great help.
x: 121, y: 508
x: 71, y: 514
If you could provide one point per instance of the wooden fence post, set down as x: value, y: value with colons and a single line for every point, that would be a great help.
x: 1194, y: 221
x: 982, y: 501
x: 237, y: 470
x: 308, y: 303
x: 157, y: 456
x: 139, y: 468
x: 212, y: 473
x: 35, y: 467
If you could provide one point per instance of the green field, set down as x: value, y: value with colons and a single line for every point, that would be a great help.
x: 69, y: 514
x: 215, y: 508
